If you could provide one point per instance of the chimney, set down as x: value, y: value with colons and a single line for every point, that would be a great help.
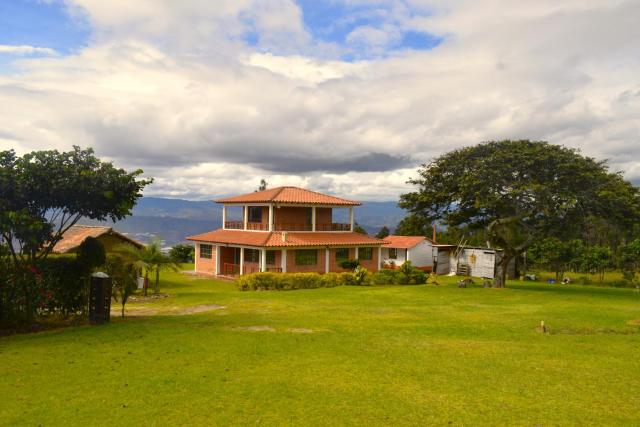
x: 434, y: 233
x: 284, y: 237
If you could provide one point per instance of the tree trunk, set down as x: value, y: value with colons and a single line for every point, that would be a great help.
x: 123, y: 308
x: 157, y: 280
x: 500, y: 281
x: 146, y: 281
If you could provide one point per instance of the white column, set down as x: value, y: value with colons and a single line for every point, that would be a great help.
x: 246, y: 216
x: 356, y: 253
x: 326, y: 260
x: 351, y: 217
x: 218, y: 259
x: 224, y: 216
x: 241, y: 260
x: 283, y: 261
x: 196, y: 255
x: 270, y: 217
x: 406, y: 257
x: 313, y: 218
x: 263, y: 260
x: 379, y: 257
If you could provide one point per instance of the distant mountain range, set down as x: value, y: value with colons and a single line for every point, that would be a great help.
x: 173, y: 219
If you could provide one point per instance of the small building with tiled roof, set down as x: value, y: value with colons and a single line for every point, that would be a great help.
x: 284, y: 229
x: 110, y: 238
x: 400, y: 249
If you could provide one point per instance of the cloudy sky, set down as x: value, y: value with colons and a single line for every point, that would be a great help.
x: 342, y: 96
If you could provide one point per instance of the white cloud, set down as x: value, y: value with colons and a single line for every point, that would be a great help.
x: 171, y: 87
x: 25, y: 50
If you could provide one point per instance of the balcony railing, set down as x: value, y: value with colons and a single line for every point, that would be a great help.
x: 287, y: 226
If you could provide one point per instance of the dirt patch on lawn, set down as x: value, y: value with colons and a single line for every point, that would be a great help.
x: 258, y: 328
x: 169, y: 311
x: 634, y: 322
x: 300, y: 330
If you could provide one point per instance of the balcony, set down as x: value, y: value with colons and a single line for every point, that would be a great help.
x: 286, y: 226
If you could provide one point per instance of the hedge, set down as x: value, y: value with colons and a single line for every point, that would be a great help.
x: 290, y: 281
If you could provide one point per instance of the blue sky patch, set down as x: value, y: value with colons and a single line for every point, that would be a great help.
x: 40, y: 24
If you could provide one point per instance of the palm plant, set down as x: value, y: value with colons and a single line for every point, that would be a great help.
x: 151, y: 259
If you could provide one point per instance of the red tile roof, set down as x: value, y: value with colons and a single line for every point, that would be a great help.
x: 292, y: 195
x: 275, y: 239
x: 78, y: 233
x: 404, y: 242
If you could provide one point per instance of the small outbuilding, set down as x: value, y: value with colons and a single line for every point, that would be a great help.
x: 399, y: 249
x: 110, y: 238
x: 470, y: 261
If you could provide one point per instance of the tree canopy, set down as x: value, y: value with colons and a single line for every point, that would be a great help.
x: 44, y: 193
x: 519, y: 192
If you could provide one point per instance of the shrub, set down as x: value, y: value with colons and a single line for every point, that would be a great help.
x: 360, y: 276
x: 407, y: 274
x: 91, y: 253
x: 292, y: 281
x: 350, y: 264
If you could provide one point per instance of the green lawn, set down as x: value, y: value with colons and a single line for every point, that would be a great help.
x: 396, y: 355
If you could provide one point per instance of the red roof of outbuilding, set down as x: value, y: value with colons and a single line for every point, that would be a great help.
x: 275, y: 239
x: 77, y: 234
x: 404, y: 242
x: 292, y: 195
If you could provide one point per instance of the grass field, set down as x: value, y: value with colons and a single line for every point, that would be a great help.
x: 389, y: 355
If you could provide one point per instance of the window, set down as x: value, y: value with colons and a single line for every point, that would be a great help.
x: 206, y: 251
x: 271, y: 257
x: 251, y: 255
x: 342, y: 254
x: 365, y: 253
x: 393, y: 253
x: 306, y: 257
x: 255, y: 214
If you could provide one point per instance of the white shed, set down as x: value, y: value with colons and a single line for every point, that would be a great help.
x: 471, y: 261
x: 417, y: 249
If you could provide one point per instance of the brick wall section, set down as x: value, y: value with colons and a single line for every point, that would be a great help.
x: 323, y: 218
x: 293, y: 268
x: 288, y: 215
x: 205, y: 265
x: 334, y: 267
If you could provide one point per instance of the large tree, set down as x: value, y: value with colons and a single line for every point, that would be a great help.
x: 44, y: 193
x: 519, y: 192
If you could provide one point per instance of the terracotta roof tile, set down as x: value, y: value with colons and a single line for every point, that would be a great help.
x: 275, y: 239
x: 292, y: 195
x: 404, y: 242
x: 78, y: 233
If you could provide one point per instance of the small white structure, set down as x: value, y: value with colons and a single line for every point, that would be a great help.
x: 470, y: 261
x: 417, y: 249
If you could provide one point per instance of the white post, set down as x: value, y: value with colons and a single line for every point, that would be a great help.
x: 356, y: 253
x: 326, y: 260
x: 246, y: 216
x: 218, y: 259
x: 224, y: 217
x: 283, y: 261
x: 313, y: 218
x: 270, y: 217
x: 241, y: 260
x: 351, y: 218
x: 196, y: 255
x: 379, y: 257
x: 406, y: 256
x: 263, y: 260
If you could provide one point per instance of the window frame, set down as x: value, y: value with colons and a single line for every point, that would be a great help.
x: 367, y: 249
x: 301, y: 254
x: 339, y: 258
x: 250, y: 258
x: 251, y: 217
x: 394, y: 254
x: 208, y: 247
x: 271, y: 257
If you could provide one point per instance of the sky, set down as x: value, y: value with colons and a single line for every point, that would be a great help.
x: 347, y: 97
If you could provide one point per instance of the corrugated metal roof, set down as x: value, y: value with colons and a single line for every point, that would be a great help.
x: 293, y: 195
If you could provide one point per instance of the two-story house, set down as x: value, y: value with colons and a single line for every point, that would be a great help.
x: 284, y: 229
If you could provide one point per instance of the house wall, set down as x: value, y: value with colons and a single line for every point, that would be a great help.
x: 319, y: 267
x: 480, y: 262
x: 323, y: 219
x: 398, y: 260
x: 443, y: 260
x: 286, y: 217
x: 205, y: 265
